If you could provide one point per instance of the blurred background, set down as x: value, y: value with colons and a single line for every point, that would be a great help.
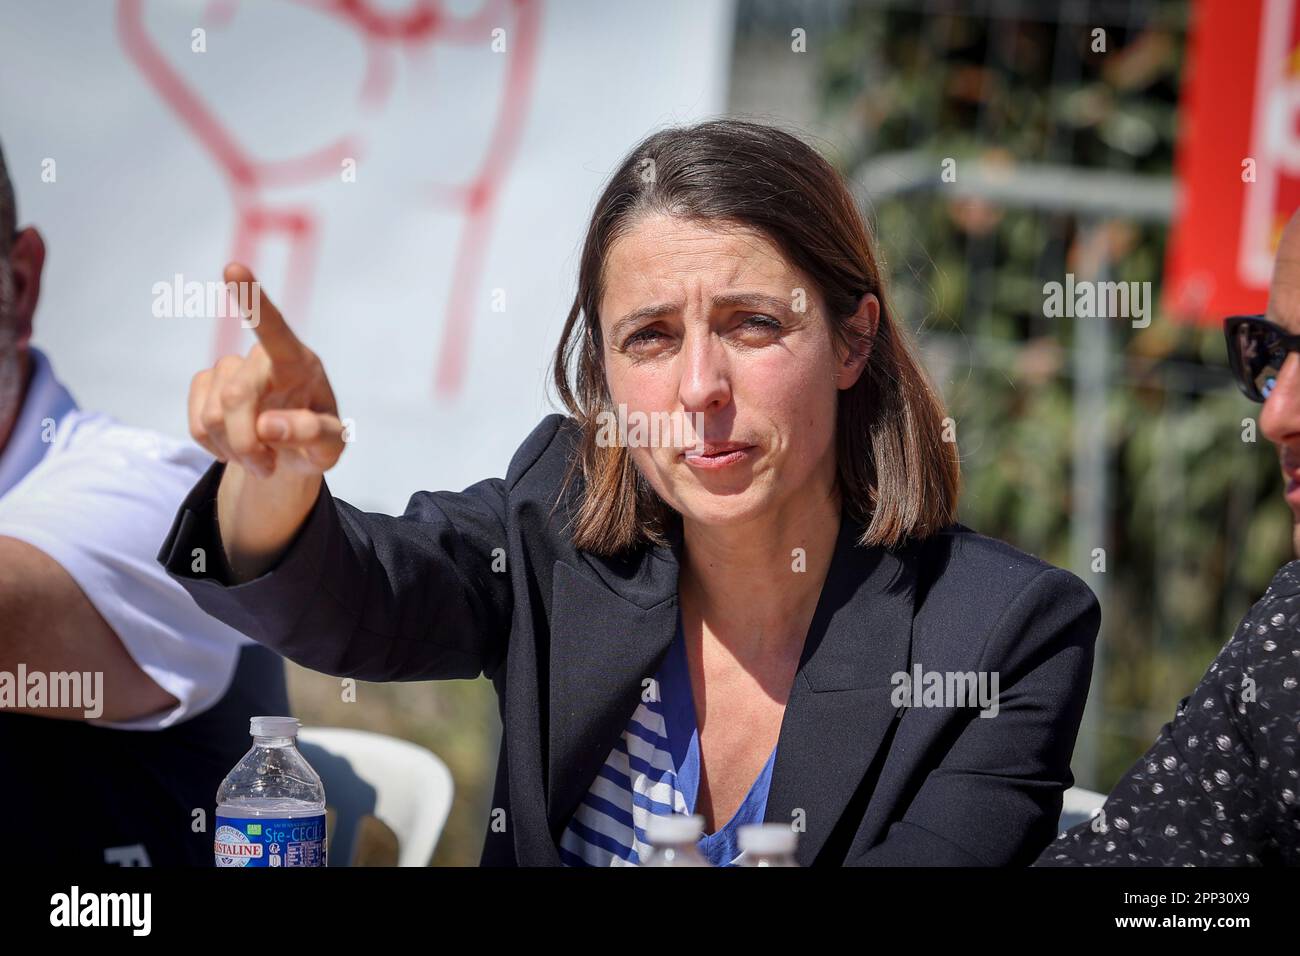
x: 994, y: 145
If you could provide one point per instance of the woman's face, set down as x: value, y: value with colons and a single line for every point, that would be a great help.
x: 713, y: 325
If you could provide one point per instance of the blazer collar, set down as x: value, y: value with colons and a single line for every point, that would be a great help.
x: 614, y: 619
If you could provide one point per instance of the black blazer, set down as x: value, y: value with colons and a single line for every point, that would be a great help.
x: 567, y: 638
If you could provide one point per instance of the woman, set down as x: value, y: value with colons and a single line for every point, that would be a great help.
x: 720, y: 625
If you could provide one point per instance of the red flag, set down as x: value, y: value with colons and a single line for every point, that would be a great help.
x: 1238, y: 157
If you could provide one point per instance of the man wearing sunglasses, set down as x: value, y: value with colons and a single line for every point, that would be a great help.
x: 1221, y: 784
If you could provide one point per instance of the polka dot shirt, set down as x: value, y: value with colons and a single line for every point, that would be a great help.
x: 1221, y: 785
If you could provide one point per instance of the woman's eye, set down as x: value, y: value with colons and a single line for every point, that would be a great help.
x: 643, y: 337
x: 763, y: 323
x: 755, y: 322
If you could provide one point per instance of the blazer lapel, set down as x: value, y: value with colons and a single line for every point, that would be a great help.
x: 611, y: 625
x: 839, y: 708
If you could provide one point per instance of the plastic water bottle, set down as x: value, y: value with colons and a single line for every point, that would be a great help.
x: 673, y: 840
x: 271, y: 806
x: 767, y: 844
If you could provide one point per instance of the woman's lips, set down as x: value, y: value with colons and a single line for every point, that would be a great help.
x: 718, y: 456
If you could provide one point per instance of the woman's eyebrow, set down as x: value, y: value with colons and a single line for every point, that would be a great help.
x: 637, y: 316
x: 748, y: 299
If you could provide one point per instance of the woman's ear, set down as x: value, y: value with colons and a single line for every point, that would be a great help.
x: 862, y: 336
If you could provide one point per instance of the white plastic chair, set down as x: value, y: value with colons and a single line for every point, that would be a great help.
x: 1078, y: 805
x: 404, y: 786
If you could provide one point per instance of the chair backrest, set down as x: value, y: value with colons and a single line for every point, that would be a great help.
x: 1077, y: 806
x: 404, y: 786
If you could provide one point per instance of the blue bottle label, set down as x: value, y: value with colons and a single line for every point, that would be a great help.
x: 270, y: 841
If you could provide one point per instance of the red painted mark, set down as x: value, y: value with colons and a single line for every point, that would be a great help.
x: 384, y: 33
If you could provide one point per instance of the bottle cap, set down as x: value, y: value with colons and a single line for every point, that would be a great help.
x: 767, y: 838
x: 673, y: 828
x: 274, y: 726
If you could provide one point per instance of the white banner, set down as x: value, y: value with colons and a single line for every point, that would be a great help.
x: 410, y: 181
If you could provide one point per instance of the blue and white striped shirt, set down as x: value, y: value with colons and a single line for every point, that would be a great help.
x: 654, y: 768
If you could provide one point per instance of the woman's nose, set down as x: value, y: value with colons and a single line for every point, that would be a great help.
x: 1279, y: 420
x: 705, y: 382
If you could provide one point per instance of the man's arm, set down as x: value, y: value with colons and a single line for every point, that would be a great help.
x: 50, y: 626
x: 90, y: 514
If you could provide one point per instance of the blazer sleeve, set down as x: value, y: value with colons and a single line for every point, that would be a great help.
x: 1218, y: 786
x: 994, y: 796
x: 421, y: 596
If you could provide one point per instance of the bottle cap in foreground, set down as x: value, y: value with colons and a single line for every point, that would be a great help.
x: 767, y: 838
x: 674, y: 828
x: 274, y: 726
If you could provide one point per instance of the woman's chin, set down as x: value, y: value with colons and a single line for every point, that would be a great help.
x: 719, y: 510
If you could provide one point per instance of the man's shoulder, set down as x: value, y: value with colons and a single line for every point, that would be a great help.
x: 86, y: 437
x: 1283, y: 589
x: 1268, y: 636
x: 95, y: 461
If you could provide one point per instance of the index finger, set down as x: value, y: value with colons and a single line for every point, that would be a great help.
x: 266, y: 321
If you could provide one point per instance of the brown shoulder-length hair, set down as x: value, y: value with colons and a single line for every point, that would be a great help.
x: 896, y: 473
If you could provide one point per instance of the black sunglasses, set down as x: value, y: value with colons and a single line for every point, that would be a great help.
x: 1257, y: 349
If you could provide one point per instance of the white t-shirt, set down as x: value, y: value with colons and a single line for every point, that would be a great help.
x: 99, y: 497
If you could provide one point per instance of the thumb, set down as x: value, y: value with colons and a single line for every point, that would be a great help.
x: 300, y: 428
